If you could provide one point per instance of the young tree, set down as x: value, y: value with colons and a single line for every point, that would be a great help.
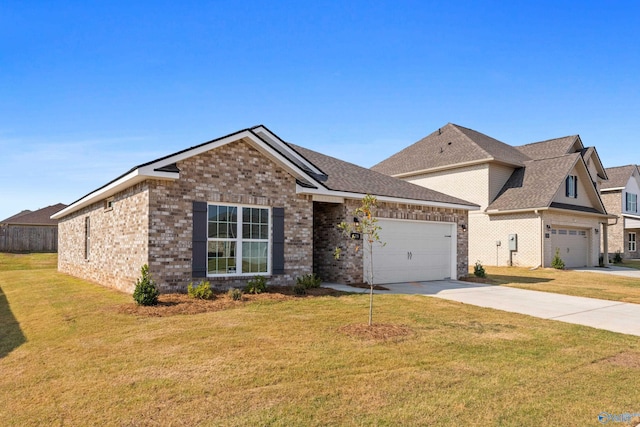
x: 366, y: 226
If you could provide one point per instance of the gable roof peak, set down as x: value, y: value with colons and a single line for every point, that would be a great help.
x: 448, y: 146
x: 619, y: 176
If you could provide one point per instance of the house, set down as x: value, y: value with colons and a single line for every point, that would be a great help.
x: 534, y: 199
x: 620, y: 197
x: 30, y: 231
x: 250, y: 204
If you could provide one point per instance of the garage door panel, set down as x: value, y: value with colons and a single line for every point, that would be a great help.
x: 572, y: 245
x: 414, y: 251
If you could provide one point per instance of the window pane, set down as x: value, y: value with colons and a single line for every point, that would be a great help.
x: 221, y: 257
x: 254, y: 257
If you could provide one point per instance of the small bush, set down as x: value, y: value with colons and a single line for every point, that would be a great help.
x: 235, y: 294
x: 308, y: 281
x: 478, y: 270
x: 557, y: 262
x: 300, y: 289
x: 617, y: 258
x: 257, y: 285
x: 146, y: 292
x: 202, y: 291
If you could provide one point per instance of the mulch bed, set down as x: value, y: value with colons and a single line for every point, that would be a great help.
x: 376, y: 332
x: 174, y: 304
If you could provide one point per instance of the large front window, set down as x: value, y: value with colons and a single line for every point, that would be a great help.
x: 238, y: 240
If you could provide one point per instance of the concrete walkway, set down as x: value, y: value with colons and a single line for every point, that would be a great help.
x: 602, y: 314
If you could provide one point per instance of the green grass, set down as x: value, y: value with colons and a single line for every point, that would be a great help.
x: 569, y: 282
x: 630, y: 264
x: 68, y: 357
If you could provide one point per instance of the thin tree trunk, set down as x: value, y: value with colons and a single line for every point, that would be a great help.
x: 371, y: 305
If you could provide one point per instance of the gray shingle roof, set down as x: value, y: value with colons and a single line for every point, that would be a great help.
x: 550, y: 148
x: 535, y: 185
x: 347, y: 177
x: 39, y: 217
x: 449, y: 145
x: 618, y: 176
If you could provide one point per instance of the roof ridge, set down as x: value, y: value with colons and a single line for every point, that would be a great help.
x: 549, y: 140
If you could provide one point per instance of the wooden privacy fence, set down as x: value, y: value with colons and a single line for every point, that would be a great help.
x: 28, y: 238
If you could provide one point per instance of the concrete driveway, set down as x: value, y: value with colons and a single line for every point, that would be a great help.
x: 602, y: 314
x: 613, y: 270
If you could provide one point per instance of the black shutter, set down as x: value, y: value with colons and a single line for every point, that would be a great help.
x: 575, y: 186
x: 277, y: 250
x: 199, y: 240
x: 566, y: 186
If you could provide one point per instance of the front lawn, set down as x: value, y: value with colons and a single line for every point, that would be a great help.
x: 569, y: 282
x: 71, y: 355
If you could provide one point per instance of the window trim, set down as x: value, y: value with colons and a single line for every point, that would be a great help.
x: 632, y: 243
x: 240, y: 240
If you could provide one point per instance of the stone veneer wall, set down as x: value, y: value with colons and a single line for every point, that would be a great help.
x: 235, y: 173
x: 349, y: 268
x: 118, y: 244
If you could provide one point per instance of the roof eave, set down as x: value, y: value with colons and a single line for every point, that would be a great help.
x: 546, y: 208
x: 443, y: 168
x: 323, y: 191
x: 132, y: 178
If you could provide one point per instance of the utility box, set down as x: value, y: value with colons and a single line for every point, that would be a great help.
x: 513, y: 242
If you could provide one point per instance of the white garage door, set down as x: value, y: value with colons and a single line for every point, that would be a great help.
x: 573, y: 245
x: 414, y: 251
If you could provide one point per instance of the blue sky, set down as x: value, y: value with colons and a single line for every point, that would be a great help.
x: 90, y: 89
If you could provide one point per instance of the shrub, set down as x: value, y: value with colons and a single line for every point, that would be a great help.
x: 300, y: 289
x: 257, y: 285
x: 308, y: 281
x: 146, y: 292
x: 235, y: 294
x: 617, y: 258
x: 557, y: 262
x: 478, y: 270
x: 202, y: 291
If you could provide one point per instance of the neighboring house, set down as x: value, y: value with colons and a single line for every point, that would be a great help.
x: 620, y: 197
x: 251, y: 204
x: 31, y: 231
x: 533, y: 199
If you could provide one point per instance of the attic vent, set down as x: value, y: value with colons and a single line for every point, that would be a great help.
x: 449, y: 143
x: 439, y: 131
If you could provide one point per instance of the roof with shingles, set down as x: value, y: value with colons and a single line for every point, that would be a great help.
x: 332, y: 174
x: 618, y: 176
x: 39, y: 217
x: 348, y: 177
x: 449, y: 145
x: 535, y: 185
x: 550, y: 148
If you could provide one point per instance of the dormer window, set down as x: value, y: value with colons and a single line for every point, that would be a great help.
x: 571, y: 187
x: 632, y: 202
